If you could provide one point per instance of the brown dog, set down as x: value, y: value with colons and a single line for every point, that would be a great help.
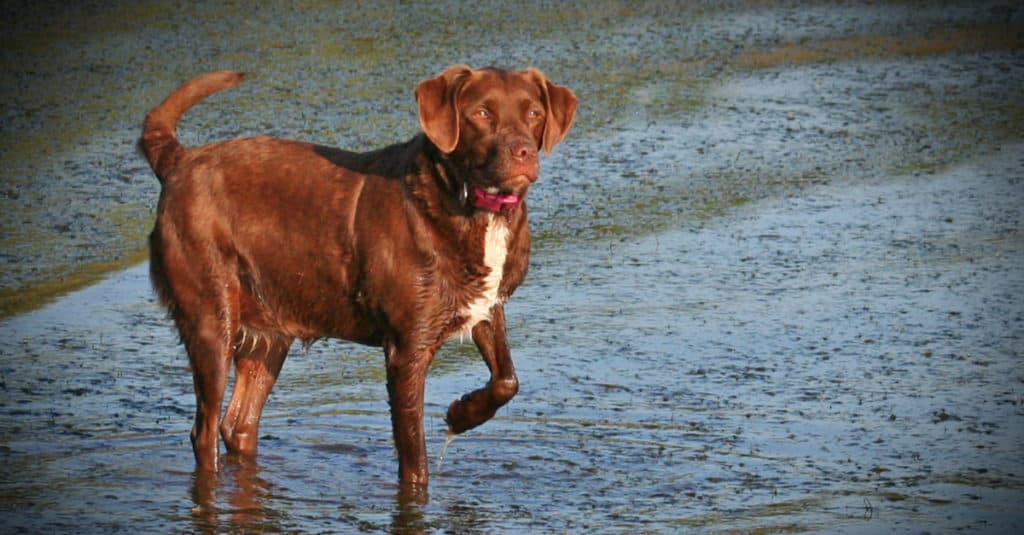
x: 261, y: 241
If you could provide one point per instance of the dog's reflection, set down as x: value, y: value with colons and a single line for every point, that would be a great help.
x: 237, y: 498
x: 241, y: 498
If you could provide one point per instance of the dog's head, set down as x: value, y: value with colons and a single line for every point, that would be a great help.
x: 494, y: 123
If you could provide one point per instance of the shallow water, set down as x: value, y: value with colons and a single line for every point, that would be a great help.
x: 846, y: 359
x: 759, y: 298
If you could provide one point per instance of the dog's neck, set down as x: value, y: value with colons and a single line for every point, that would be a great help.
x: 443, y: 189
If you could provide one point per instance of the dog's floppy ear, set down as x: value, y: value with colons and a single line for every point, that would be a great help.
x: 560, y: 108
x: 439, y: 114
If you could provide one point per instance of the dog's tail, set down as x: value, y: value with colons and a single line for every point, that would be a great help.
x: 159, y: 140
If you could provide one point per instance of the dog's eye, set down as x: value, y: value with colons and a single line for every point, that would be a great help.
x: 535, y: 114
x: 482, y: 114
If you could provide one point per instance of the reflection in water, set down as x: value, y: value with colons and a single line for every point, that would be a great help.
x: 245, y: 494
x: 408, y: 516
x: 242, y: 498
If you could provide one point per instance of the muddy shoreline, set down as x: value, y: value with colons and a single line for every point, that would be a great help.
x: 776, y: 285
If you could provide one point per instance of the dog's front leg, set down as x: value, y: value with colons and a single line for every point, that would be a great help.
x: 407, y: 374
x: 480, y: 405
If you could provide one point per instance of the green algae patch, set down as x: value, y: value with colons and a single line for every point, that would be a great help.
x: 942, y: 41
x: 65, y: 271
x: 17, y: 300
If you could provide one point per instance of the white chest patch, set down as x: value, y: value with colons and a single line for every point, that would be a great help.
x: 495, y: 252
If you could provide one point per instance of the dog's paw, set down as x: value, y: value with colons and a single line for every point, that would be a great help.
x: 456, y: 416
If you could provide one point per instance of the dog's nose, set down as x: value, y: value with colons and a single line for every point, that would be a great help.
x: 523, y: 151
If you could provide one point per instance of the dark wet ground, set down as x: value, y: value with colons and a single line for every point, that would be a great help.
x: 778, y: 281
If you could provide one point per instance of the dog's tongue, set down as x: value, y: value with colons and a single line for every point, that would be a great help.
x: 493, y: 201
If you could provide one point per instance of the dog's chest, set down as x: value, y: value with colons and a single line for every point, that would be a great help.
x: 495, y: 252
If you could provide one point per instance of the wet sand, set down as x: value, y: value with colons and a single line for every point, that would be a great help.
x: 777, y: 283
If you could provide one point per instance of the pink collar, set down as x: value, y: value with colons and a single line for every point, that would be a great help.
x: 493, y: 201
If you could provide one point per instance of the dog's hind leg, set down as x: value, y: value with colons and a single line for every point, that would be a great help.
x: 203, y: 298
x: 257, y: 365
x: 209, y: 351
